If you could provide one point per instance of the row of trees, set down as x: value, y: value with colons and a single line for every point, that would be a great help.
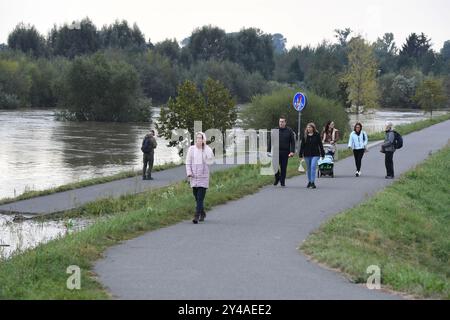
x: 250, y: 48
x: 35, y: 70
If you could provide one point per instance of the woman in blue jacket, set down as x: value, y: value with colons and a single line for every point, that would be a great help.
x: 358, y: 142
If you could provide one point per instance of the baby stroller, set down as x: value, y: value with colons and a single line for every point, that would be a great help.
x: 326, y: 166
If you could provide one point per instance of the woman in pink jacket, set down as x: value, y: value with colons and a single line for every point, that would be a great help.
x: 199, y: 157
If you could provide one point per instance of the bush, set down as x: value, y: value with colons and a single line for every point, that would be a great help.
x: 15, y: 83
x: 9, y: 101
x: 103, y: 90
x: 42, y: 94
x: 265, y: 110
x: 398, y: 90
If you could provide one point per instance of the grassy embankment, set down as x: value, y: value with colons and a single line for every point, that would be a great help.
x: 403, y: 229
x: 84, y: 183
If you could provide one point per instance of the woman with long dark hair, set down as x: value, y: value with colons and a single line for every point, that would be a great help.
x: 358, y: 142
x: 330, y: 135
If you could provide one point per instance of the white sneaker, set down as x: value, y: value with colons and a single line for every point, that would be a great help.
x: 357, y: 174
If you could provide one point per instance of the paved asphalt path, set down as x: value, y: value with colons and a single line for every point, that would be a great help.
x: 67, y: 200
x: 248, y: 248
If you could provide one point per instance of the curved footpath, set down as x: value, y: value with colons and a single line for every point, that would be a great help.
x: 248, y: 248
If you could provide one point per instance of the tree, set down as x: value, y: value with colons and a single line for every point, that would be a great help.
x: 220, y: 104
x: 15, y: 84
x: 120, y: 35
x: 169, y: 48
x: 327, y: 66
x: 42, y: 93
x: 207, y: 43
x: 255, y: 51
x: 241, y: 84
x: 385, y: 51
x: 342, y: 35
x: 445, y: 51
x: 100, y: 90
x: 361, y: 74
x: 430, y: 95
x: 27, y: 39
x: 214, y: 107
x: 417, y: 52
x: 279, y: 43
x: 416, y: 45
x: 159, y: 77
x: 81, y: 37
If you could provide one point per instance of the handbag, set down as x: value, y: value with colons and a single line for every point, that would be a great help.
x: 301, y: 168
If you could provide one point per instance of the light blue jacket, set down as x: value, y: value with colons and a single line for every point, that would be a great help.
x: 358, y: 142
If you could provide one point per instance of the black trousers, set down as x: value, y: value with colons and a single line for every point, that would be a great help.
x: 148, y: 160
x: 358, y: 154
x: 281, y: 173
x: 389, y: 163
x: 199, y: 195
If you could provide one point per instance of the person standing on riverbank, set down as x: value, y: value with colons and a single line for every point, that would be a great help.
x: 388, y: 148
x: 148, y: 148
x: 358, y: 142
x: 286, y: 147
x: 311, y: 149
x: 198, y: 159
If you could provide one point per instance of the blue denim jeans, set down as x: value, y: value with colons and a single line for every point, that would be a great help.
x: 311, y: 165
x: 199, y: 195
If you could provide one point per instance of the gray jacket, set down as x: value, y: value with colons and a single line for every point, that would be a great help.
x: 388, y: 145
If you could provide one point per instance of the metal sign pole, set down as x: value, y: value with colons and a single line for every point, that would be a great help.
x: 298, y: 134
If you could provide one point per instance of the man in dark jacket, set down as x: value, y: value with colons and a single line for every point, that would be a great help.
x: 286, y: 147
x: 148, y: 146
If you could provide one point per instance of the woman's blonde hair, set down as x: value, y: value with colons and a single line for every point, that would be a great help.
x: 312, y: 125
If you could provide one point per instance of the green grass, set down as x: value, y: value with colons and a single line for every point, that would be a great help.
x: 84, y: 183
x: 40, y: 273
x: 404, y: 229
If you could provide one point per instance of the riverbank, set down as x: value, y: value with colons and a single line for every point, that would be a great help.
x: 85, y: 183
x: 404, y: 230
x: 402, y: 129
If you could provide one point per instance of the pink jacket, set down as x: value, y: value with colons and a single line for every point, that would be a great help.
x: 197, y: 165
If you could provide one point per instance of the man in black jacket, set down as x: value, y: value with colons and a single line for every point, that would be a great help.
x: 286, y: 147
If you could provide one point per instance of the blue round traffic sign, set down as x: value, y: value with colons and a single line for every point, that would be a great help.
x: 299, y: 102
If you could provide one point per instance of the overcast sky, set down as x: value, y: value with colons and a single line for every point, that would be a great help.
x: 302, y: 22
